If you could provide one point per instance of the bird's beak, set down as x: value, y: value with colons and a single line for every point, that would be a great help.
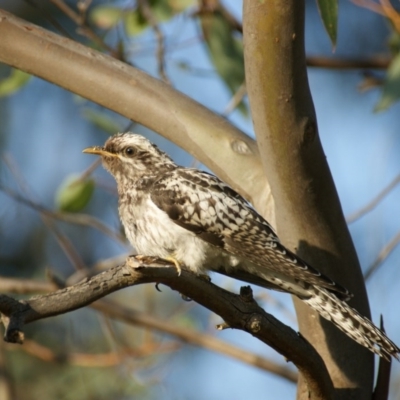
x: 100, y: 151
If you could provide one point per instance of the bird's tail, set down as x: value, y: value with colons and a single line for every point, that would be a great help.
x: 351, y: 322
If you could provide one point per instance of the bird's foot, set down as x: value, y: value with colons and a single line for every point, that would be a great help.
x: 176, y: 263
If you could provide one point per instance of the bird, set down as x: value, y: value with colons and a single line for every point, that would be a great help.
x: 192, y: 218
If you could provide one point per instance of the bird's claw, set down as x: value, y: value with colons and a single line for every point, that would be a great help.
x: 176, y: 263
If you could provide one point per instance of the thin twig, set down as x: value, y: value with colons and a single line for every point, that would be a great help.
x: 384, y: 8
x: 72, y: 218
x: 149, y: 15
x: 47, y: 15
x: 118, y: 311
x: 25, y: 286
x: 85, y: 29
x: 64, y: 242
x: 372, y: 204
x: 85, y: 174
x: 348, y: 63
x: 383, y: 254
x: 82, y: 6
x: 93, y: 360
x: 235, y: 100
x: 316, y: 61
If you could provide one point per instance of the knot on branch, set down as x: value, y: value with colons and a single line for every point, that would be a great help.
x: 14, y: 336
x: 246, y: 294
x: 13, y: 328
x: 309, y: 131
x: 254, y: 324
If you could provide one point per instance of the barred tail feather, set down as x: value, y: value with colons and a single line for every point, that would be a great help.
x: 351, y: 322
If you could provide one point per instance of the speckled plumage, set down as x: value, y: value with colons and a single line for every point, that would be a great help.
x: 189, y: 215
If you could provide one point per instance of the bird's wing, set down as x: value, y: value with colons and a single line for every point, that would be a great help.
x: 203, y: 204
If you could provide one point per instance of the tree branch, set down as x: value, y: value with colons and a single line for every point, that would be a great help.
x: 90, y: 360
x: 348, y: 63
x: 309, y: 216
x: 374, y: 202
x: 238, y: 311
x: 382, y: 256
x: 378, y: 62
x: 117, y: 311
x: 132, y: 316
x: 226, y: 150
x: 152, y: 20
x: 83, y: 26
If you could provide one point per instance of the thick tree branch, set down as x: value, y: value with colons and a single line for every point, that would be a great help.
x: 309, y: 216
x: 238, y: 311
x: 227, y: 151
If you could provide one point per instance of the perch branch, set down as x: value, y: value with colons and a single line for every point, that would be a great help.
x: 127, y: 314
x: 238, y: 311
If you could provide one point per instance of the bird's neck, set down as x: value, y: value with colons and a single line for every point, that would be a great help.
x: 140, y: 183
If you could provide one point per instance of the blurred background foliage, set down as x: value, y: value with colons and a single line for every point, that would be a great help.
x: 58, y: 213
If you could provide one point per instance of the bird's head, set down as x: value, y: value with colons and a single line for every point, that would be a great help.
x: 129, y: 157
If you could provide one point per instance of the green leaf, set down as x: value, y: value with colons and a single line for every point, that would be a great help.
x: 101, y: 120
x: 163, y: 10
x: 394, y: 42
x: 106, y: 17
x: 134, y: 23
x: 178, y: 6
x: 328, y: 10
x: 74, y: 193
x: 226, y: 51
x: 391, y: 86
x: 15, y: 81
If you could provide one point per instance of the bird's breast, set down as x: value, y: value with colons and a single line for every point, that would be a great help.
x: 151, y: 232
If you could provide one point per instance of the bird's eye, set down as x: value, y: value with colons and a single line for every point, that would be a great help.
x: 129, y: 151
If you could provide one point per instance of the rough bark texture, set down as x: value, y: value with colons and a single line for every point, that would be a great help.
x: 308, y: 211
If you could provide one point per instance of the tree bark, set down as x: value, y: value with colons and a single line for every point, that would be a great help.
x: 309, y: 216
